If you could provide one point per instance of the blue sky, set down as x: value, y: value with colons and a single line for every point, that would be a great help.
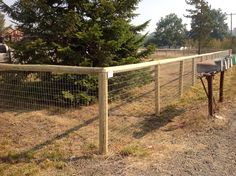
x: 155, y: 9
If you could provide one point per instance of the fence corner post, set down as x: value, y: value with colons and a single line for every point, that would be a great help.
x: 157, y: 90
x: 103, y: 112
x: 181, y: 78
x: 201, y: 58
x: 193, y: 72
x: 230, y: 51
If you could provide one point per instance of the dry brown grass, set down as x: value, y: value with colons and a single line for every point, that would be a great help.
x: 48, y: 142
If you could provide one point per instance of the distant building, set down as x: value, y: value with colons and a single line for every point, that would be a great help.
x: 11, y: 34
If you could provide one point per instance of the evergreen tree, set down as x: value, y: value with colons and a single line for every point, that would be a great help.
x: 72, y: 32
x: 150, y: 39
x: 2, y: 23
x: 201, y: 21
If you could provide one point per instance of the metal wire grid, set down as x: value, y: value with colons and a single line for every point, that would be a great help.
x: 125, y: 128
x: 170, y: 76
x: 123, y: 131
x: 127, y: 120
x: 131, y: 99
x: 188, y: 75
x: 128, y: 90
x: 37, y: 90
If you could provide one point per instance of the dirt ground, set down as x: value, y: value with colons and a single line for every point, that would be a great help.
x: 203, y: 146
x: 183, y: 140
x: 186, y: 143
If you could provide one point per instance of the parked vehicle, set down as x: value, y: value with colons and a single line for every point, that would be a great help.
x: 5, y: 54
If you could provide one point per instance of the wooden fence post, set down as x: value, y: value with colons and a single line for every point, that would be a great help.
x: 181, y: 78
x: 193, y: 72
x: 157, y: 90
x: 103, y: 112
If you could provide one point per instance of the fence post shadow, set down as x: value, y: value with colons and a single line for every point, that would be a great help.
x: 22, y: 156
x: 156, y: 122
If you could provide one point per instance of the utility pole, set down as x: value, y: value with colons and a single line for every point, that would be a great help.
x: 231, y: 27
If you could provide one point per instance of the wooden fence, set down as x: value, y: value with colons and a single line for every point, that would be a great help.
x: 104, y: 74
x: 180, y: 52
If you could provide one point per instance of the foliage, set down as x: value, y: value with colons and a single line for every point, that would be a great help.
x: 220, y: 27
x: 122, y: 84
x: 170, y: 31
x: 150, y: 39
x: 75, y: 90
x: 86, y: 33
x: 2, y: 27
x: 201, y: 21
x: 82, y: 33
x: 64, y: 90
x: 2, y: 23
x: 224, y: 44
x: 151, y: 48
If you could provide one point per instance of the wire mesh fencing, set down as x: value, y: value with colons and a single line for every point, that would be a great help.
x: 71, y: 97
x: 170, y: 83
x: 131, y: 97
x: 37, y: 90
x: 188, y: 74
x: 131, y: 90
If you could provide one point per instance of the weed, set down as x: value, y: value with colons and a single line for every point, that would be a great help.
x: 90, y: 148
x: 53, y: 155
x: 46, y: 164
x: 133, y: 150
x: 3, y: 167
x: 21, y: 170
x: 60, y: 165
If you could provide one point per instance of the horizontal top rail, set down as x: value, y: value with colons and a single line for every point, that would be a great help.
x: 132, y: 67
x: 51, y: 68
x: 96, y: 70
x: 171, y: 49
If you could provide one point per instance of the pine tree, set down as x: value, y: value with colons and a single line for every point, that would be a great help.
x: 201, y: 21
x: 72, y: 32
x: 2, y: 23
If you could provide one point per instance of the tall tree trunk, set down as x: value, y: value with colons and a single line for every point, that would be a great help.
x: 199, y: 47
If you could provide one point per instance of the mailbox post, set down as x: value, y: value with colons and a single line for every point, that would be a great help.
x: 210, y: 94
x: 221, y: 91
x: 208, y: 69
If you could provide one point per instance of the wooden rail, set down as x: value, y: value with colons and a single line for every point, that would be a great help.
x: 51, y: 68
x: 132, y: 67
